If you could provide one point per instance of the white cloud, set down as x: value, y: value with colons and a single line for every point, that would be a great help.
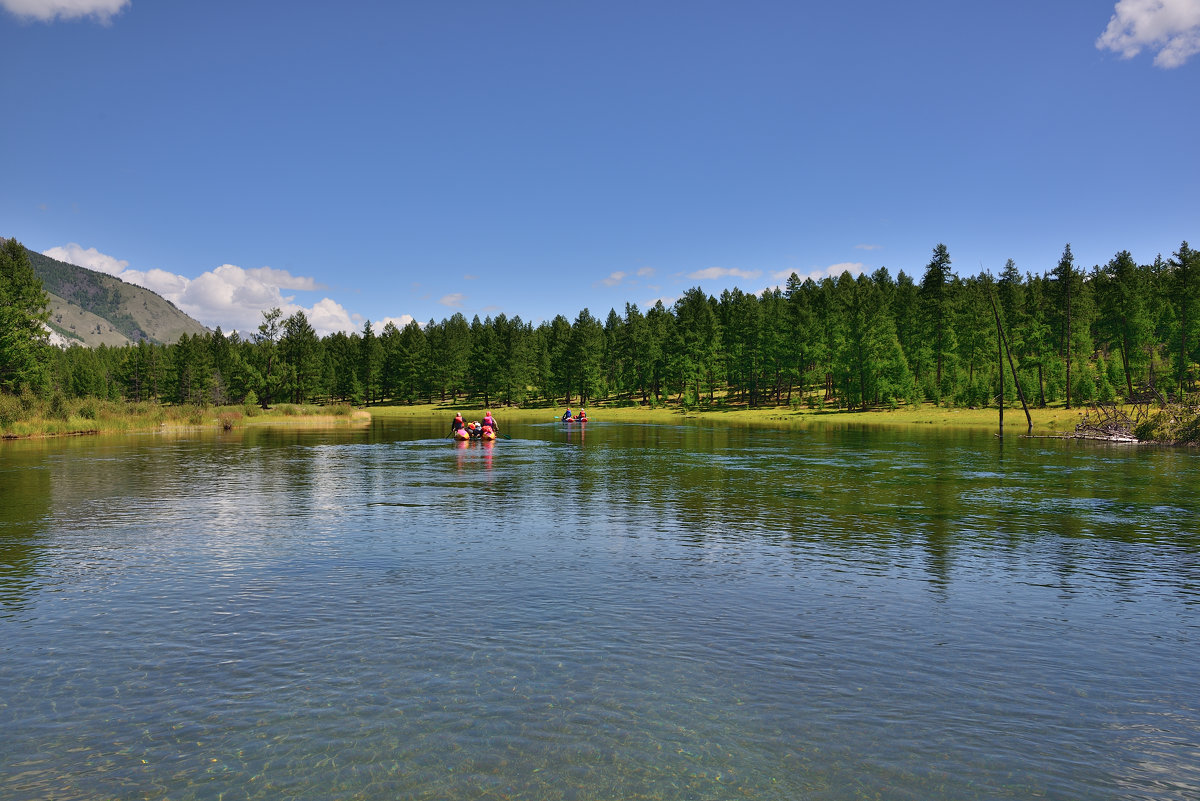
x: 169, y: 285
x: 855, y: 268
x: 618, y: 277
x: 229, y: 296
x: 285, y: 280
x: 834, y: 270
x: 454, y: 300
x: 90, y: 258
x: 712, y: 273
x: 668, y: 302
x: 327, y: 316
x: 1172, y: 27
x: 400, y: 322
x: 868, y: 247
x: 50, y: 10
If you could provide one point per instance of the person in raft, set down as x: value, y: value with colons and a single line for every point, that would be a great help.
x: 581, y: 417
x: 457, y: 423
x: 488, y: 420
x: 566, y: 416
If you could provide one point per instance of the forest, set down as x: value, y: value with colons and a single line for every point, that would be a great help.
x: 1111, y: 333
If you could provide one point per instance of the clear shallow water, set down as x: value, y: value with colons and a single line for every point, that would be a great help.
x: 647, y: 612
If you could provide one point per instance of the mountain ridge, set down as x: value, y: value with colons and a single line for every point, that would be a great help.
x: 92, y: 308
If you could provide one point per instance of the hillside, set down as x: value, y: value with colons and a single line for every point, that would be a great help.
x: 94, y: 308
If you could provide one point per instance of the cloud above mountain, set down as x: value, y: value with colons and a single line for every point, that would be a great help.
x: 228, y: 296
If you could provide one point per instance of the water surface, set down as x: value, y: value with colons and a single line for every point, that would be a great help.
x: 634, y: 611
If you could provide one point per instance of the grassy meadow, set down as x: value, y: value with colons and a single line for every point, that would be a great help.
x: 29, y: 417
x: 1048, y: 421
x: 26, y: 416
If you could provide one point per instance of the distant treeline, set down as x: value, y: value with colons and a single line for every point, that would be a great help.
x: 1099, y: 335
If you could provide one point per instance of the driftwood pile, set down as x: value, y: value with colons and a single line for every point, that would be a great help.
x: 1110, y: 423
x: 1148, y: 417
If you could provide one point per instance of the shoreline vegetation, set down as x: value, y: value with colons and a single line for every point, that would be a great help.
x: 30, y: 417
x: 1054, y: 421
x: 1117, y: 345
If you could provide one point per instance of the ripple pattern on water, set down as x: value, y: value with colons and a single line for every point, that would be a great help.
x: 647, y: 612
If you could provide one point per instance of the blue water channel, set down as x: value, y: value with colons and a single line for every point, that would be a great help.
x: 634, y: 612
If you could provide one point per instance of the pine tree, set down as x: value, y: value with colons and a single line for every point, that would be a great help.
x: 1066, y: 283
x: 370, y: 363
x: 1124, y: 322
x: 483, y: 362
x: 24, y: 310
x: 270, y: 376
x: 301, y: 350
x: 635, y: 349
x: 938, y: 313
x: 698, y: 341
x: 1184, y: 283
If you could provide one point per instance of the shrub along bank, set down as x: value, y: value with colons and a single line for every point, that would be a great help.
x: 29, y: 415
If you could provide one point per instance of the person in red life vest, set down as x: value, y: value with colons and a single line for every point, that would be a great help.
x: 490, y: 421
x: 582, y: 418
x: 457, y: 423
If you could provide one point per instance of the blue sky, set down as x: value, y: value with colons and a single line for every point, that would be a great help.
x: 387, y: 160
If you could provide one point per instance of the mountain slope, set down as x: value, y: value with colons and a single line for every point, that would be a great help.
x: 94, y: 308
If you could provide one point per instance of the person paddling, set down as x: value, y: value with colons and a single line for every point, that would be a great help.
x: 457, y: 423
x: 566, y: 418
x: 488, y: 420
x: 582, y: 417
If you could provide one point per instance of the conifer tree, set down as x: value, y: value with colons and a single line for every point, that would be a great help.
x: 24, y: 310
x: 300, y: 348
x: 938, y: 313
x: 370, y: 363
x: 1124, y: 322
x: 1066, y: 283
x: 1184, y: 284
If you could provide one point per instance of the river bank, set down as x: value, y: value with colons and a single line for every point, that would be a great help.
x: 21, y: 418
x: 27, y: 418
x: 1048, y: 421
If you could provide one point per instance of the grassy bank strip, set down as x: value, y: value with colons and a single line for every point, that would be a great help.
x: 1051, y: 420
x: 29, y: 417
x: 25, y: 416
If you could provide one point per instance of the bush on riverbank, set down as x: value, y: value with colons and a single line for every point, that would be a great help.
x: 1172, y: 425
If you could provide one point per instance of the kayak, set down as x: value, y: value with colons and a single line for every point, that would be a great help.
x: 463, y: 435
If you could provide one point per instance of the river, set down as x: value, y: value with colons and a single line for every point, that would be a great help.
x: 634, y: 612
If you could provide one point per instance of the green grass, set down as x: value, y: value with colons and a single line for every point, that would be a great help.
x: 1051, y: 420
x: 28, y: 416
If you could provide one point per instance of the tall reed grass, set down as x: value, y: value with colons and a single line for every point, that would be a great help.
x: 29, y: 415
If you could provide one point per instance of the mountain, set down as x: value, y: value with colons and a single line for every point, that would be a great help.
x: 91, y: 308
